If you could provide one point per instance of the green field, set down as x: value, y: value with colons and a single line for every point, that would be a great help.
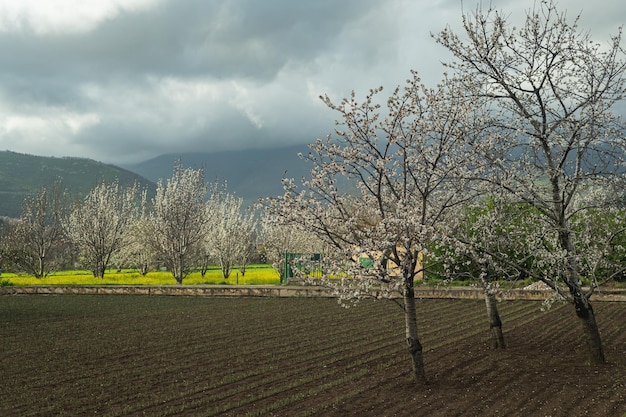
x: 255, y: 275
x: 196, y: 356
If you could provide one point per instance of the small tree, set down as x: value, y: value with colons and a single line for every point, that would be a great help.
x: 277, y: 240
x: 7, y: 225
x: 37, y: 239
x: 406, y: 166
x: 248, y: 239
x: 485, y: 227
x: 232, y: 236
x: 99, y: 224
x: 179, y: 219
x: 139, y: 253
x: 552, y: 138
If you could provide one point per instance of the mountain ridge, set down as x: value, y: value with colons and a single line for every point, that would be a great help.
x: 250, y: 173
x: 24, y: 174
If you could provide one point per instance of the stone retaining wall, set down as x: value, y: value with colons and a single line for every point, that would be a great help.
x: 282, y: 291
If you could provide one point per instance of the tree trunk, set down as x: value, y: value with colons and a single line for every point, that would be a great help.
x: 495, y: 324
x: 178, y: 268
x: 585, y: 313
x: 42, y: 268
x: 98, y: 271
x: 412, y: 339
x: 226, y: 271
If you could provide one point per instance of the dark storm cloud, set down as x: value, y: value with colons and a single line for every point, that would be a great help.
x: 202, y: 75
x: 122, y: 57
x: 222, y: 39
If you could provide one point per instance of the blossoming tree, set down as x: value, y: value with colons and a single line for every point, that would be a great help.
x: 553, y: 142
x: 380, y: 189
x: 179, y: 219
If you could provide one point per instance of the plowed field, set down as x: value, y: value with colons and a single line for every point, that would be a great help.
x: 193, y: 356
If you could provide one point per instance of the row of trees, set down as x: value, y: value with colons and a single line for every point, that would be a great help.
x: 187, y: 225
x: 512, y: 166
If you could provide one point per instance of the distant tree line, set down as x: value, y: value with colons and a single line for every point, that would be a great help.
x: 187, y: 226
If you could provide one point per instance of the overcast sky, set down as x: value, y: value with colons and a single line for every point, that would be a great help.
x: 122, y: 81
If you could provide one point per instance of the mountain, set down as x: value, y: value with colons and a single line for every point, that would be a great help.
x: 250, y: 173
x: 21, y: 174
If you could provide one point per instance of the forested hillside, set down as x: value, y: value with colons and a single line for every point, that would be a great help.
x: 21, y: 174
x: 249, y: 173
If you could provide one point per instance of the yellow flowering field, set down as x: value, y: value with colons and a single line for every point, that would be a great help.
x: 255, y: 275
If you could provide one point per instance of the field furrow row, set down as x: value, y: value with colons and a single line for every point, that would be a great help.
x: 195, y: 356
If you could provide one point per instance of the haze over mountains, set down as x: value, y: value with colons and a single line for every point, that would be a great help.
x: 249, y: 174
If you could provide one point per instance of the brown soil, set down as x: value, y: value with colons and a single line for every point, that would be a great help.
x: 134, y: 355
x: 530, y: 378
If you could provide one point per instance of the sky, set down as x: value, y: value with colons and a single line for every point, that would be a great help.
x: 122, y: 81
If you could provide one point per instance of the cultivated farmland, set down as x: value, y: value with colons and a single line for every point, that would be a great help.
x: 153, y: 355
